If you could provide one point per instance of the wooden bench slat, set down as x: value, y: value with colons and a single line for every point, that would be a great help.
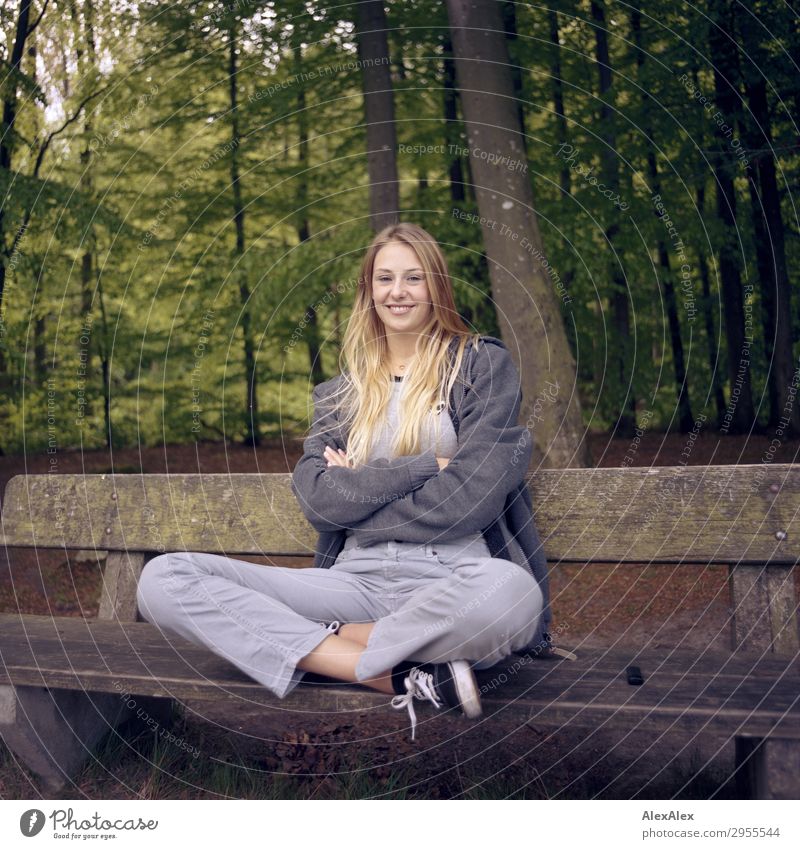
x: 702, y: 514
x: 216, y: 513
x: 723, y: 694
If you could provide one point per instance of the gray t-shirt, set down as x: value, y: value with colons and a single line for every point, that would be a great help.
x: 445, y: 446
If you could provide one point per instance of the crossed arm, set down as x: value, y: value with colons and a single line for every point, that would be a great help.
x: 337, y: 496
x: 410, y: 498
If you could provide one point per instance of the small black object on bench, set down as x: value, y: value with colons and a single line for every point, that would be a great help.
x: 66, y: 681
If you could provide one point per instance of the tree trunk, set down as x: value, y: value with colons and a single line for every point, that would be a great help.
x: 9, y: 116
x: 303, y: 225
x: 39, y: 326
x: 251, y: 413
x: 708, y: 314
x: 376, y: 79
x: 521, y: 285
x: 784, y: 409
x: 740, y: 415
x: 510, y: 27
x: 84, y: 34
x: 451, y: 124
x: 565, y: 176
x: 620, y: 352
x: 789, y: 27
x: 685, y: 418
x: 557, y: 89
x: 104, y: 348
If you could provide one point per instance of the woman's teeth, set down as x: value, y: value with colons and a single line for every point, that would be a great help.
x: 400, y: 310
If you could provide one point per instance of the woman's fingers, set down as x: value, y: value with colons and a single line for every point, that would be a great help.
x: 335, y: 457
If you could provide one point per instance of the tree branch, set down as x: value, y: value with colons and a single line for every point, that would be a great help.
x: 40, y: 156
x: 70, y: 120
x: 36, y: 23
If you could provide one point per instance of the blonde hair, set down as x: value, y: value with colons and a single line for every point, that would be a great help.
x: 366, y: 387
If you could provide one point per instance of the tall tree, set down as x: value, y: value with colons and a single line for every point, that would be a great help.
x: 303, y: 223
x: 557, y: 93
x: 707, y: 310
x: 373, y: 53
x: 685, y: 417
x: 451, y: 123
x: 609, y: 169
x: 22, y: 32
x: 770, y: 244
x: 512, y: 40
x: 565, y: 174
x: 740, y: 416
x: 251, y: 414
x: 528, y: 310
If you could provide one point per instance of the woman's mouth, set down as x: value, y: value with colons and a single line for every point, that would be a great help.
x: 400, y: 310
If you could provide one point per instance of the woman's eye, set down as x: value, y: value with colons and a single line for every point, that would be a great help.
x: 415, y: 278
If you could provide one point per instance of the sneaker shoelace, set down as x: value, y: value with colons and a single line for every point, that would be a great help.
x: 565, y: 653
x: 419, y: 685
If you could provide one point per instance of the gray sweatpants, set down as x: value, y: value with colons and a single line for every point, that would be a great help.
x: 430, y: 602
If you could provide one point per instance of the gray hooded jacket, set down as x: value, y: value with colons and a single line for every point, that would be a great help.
x: 482, y: 488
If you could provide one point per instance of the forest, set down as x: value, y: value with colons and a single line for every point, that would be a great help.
x: 188, y: 188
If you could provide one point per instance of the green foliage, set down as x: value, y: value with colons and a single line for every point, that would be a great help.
x: 129, y: 220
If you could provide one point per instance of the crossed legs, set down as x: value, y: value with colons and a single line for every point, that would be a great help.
x: 270, y: 621
x: 338, y: 655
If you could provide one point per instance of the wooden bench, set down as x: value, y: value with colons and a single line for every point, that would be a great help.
x: 65, y: 681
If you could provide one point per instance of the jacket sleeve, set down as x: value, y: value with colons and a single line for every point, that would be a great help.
x: 337, y: 497
x: 492, y: 459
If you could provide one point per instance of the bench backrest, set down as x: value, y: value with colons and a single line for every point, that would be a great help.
x: 702, y: 514
x: 747, y: 517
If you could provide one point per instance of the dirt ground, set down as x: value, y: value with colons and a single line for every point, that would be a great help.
x: 662, y: 605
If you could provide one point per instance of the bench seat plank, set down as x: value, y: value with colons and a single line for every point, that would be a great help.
x: 727, y: 695
x: 669, y: 514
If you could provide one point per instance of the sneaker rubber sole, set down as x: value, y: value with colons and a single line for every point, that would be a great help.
x: 465, y: 684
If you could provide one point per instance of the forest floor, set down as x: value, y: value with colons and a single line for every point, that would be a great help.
x: 247, y: 752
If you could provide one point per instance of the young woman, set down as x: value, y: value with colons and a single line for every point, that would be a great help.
x: 428, y: 563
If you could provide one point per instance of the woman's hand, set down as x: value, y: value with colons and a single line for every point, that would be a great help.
x: 336, y: 457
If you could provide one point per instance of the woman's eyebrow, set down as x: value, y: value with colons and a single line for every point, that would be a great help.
x: 407, y: 270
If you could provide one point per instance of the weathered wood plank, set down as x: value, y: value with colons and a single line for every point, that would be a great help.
x: 703, y: 514
x: 722, y: 694
x: 749, y: 608
x: 157, y: 513
x: 764, y: 608
x: 768, y: 768
x: 781, y: 770
x: 782, y: 610
x: 120, y: 579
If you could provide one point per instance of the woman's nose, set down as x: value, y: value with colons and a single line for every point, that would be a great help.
x: 398, y: 288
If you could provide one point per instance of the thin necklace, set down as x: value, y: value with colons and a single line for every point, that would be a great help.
x: 401, y: 367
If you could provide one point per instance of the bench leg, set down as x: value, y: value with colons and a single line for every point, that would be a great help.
x: 768, y: 768
x: 54, y: 731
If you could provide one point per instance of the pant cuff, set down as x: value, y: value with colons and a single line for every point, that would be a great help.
x: 289, y: 676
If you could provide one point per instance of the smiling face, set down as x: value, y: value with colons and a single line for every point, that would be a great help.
x: 400, y: 290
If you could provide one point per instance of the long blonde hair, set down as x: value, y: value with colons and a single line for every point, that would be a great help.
x: 365, y: 390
